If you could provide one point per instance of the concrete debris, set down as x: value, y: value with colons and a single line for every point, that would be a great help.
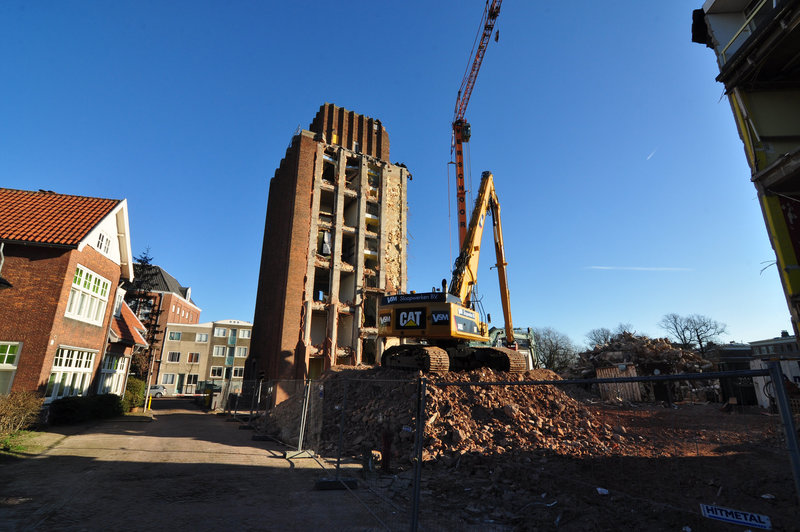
x: 460, y: 421
x: 647, y: 354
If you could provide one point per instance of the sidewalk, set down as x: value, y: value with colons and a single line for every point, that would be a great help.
x: 186, y: 468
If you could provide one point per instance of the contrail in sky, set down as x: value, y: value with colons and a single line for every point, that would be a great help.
x: 651, y: 154
x: 640, y: 268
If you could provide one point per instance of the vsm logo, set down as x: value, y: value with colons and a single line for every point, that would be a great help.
x: 391, y: 299
x: 440, y: 317
x: 386, y: 319
x: 411, y: 319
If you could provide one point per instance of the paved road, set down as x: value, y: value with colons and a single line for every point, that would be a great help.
x: 185, y: 470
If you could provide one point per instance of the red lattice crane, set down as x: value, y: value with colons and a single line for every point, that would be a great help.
x: 461, y: 128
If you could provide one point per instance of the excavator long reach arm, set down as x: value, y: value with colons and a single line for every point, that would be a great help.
x: 465, y: 272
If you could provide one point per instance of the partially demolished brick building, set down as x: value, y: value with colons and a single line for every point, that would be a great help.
x: 334, y: 243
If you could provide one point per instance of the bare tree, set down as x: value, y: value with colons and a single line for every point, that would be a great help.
x: 555, y: 350
x: 600, y: 336
x: 603, y: 335
x: 624, y: 328
x: 694, y: 330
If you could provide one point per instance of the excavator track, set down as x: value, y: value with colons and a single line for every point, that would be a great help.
x: 416, y: 357
x: 501, y: 359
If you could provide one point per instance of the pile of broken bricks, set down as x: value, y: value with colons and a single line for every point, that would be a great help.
x: 380, y: 406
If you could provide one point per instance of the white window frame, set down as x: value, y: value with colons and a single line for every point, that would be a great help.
x: 198, y: 337
x: 168, y: 378
x: 220, y: 332
x: 196, y: 358
x: 112, y: 374
x: 220, y: 351
x: 88, y: 296
x: 177, y: 356
x: 5, y: 365
x: 241, y: 352
x: 71, y: 374
x: 244, y: 333
x: 103, y: 241
x: 238, y: 372
x: 216, y: 372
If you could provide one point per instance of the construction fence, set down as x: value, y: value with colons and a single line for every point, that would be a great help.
x: 467, y: 451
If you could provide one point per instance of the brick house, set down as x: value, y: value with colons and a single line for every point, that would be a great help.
x: 64, y: 257
x: 126, y: 337
x: 158, y: 299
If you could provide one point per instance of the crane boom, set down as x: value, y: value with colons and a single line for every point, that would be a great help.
x: 461, y: 129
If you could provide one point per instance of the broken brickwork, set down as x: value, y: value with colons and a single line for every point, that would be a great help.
x: 334, y: 243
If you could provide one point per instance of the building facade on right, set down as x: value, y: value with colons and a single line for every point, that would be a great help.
x: 757, y: 44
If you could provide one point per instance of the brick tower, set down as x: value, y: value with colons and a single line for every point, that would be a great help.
x: 334, y: 243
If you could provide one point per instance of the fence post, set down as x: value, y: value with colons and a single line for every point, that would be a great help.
x: 303, y: 417
x: 420, y: 437
x: 785, y: 410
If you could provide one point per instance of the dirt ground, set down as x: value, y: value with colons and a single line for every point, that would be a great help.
x: 184, y: 470
x: 198, y: 471
x: 674, y: 460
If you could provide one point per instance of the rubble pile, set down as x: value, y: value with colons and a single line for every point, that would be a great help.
x: 474, y: 420
x: 647, y: 354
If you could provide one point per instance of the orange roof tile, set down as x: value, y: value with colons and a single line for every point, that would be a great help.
x: 127, y: 326
x: 49, y: 218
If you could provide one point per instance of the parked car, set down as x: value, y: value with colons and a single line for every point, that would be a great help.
x: 203, y: 387
x: 158, y: 390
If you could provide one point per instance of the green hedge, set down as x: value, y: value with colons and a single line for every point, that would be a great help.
x: 78, y: 409
x: 134, y: 394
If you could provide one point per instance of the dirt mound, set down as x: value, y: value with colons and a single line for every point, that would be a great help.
x: 491, y: 420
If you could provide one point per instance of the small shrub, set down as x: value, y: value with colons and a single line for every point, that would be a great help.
x: 134, y: 394
x: 71, y: 410
x: 18, y: 411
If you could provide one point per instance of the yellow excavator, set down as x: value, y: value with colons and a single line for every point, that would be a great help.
x: 445, y: 326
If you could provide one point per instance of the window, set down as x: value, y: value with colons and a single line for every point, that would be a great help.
x: 174, y: 335
x: 241, y: 351
x: 238, y: 371
x: 118, y: 303
x: 103, y: 242
x: 88, y: 296
x: 191, y: 379
x: 173, y: 308
x: 244, y: 333
x: 216, y: 371
x: 8, y: 365
x: 169, y: 378
x: 201, y: 337
x: 219, y: 350
x: 220, y: 331
x: 71, y: 374
x: 194, y: 358
x: 174, y: 356
x: 112, y: 374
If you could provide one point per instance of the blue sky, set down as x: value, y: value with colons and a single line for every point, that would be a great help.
x: 624, y: 187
